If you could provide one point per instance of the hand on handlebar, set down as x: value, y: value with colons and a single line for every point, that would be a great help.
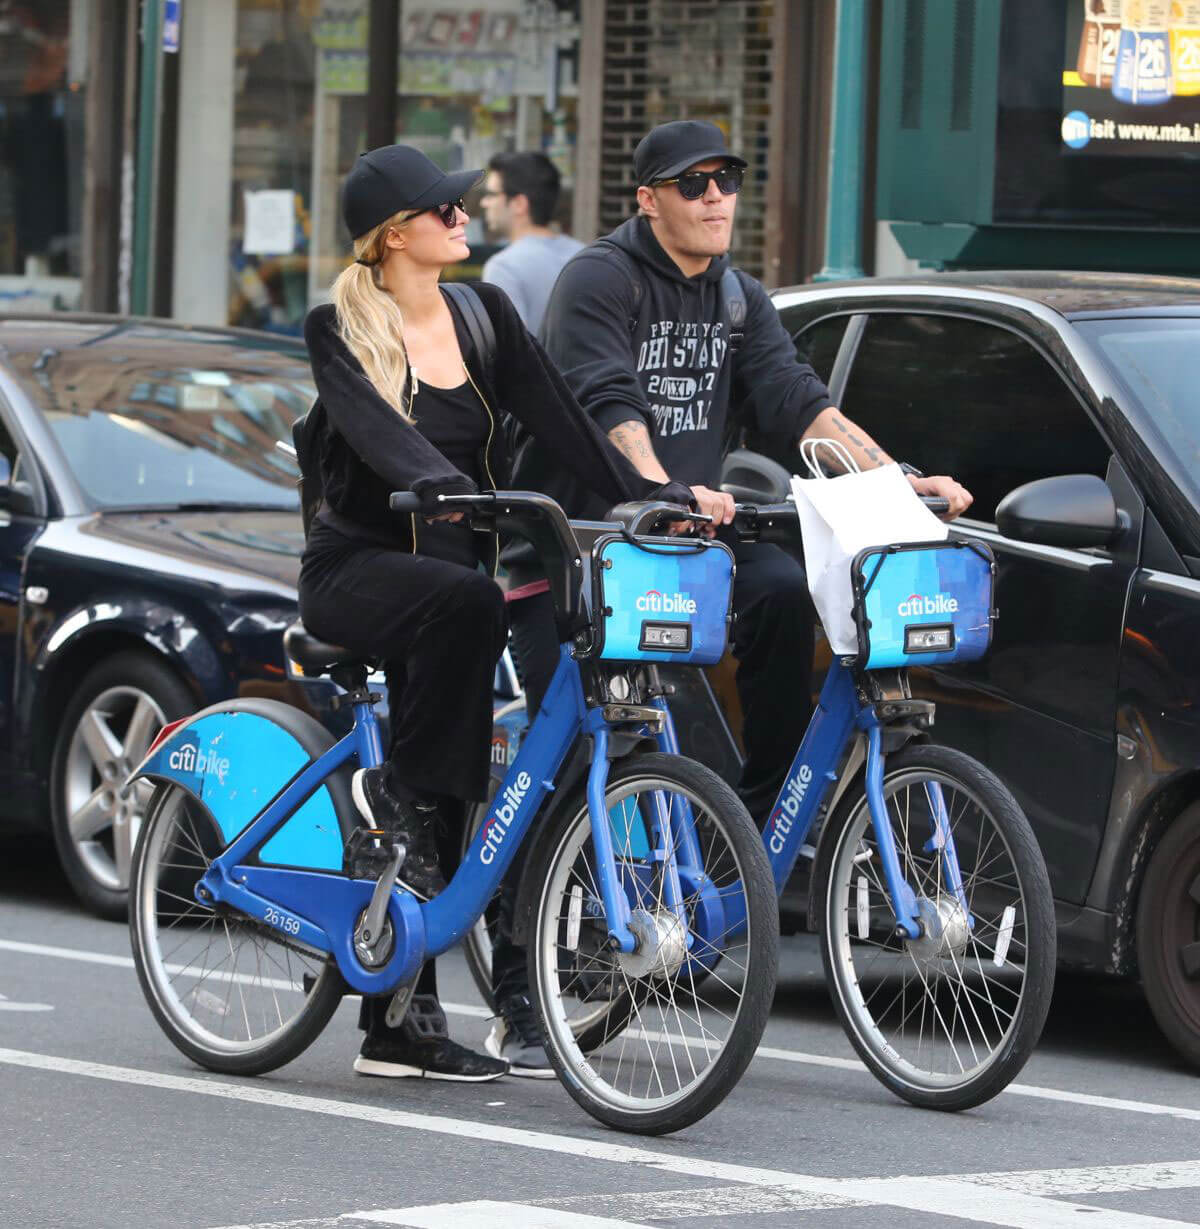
x: 942, y: 487
x: 716, y: 504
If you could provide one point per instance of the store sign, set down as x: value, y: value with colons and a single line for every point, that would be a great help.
x: 1132, y: 85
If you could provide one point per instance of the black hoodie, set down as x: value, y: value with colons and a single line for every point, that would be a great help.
x: 364, y: 450
x: 671, y: 369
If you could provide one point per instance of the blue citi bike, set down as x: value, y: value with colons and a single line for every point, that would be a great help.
x: 252, y: 916
x: 926, y: 885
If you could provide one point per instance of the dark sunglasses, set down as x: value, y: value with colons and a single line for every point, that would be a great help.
x: 447, y: 212
x: 692, y: 185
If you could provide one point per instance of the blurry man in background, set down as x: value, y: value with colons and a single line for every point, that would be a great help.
x: 519, y: 198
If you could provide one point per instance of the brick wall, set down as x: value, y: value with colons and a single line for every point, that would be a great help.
x: 687, y: 59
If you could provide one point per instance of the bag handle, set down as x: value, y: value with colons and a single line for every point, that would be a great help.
x: 810, y: 452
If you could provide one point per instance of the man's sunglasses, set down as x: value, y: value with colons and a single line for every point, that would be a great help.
x: 447, y: 212
x: 692, y: 185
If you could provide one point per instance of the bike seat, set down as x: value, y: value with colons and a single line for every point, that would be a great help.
x: 316, y: 656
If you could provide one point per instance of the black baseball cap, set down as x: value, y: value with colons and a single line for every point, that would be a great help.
x: 392, y: 178
x: 670, y: 148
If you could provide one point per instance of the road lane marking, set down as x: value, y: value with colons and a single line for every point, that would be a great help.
x: 7, y: 1004
x: 1096, y: 1180
x: 488, y: 1213
x: 706, y: 1201
x: 944, y: 1196
x: 770, y: 1052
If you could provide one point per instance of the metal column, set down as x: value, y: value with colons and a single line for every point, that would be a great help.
x: 843, y: 229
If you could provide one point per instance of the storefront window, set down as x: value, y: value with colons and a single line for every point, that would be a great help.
x: 476, y: 77
x: 42, y: 58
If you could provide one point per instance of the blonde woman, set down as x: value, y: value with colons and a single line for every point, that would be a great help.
x: 405, y: 404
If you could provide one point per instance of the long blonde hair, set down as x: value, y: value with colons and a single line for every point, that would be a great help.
x: 368, y: 319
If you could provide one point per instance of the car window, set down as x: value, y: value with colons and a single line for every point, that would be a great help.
x: 961, y: 397
x: 147, y: 420
x: 1158, y: 360
x: 818, y: 344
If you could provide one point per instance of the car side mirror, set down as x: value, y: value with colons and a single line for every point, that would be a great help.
x: 752, y: 478
x: 1071, y: 510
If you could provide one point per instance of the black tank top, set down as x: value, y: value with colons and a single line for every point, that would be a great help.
x: 456, y: 423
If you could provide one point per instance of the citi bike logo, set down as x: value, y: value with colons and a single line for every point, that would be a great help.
x: 189, y: 758
x: 498, y: 825
x: 785, y: 813
x: 654, y: 602
x: 916, y: 604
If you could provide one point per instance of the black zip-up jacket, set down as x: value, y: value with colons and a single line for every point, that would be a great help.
x: 662, y: 358
x: 364, y: 450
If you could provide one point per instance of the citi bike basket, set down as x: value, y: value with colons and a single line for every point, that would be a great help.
x: 652, y: 950
x: 923, y: 879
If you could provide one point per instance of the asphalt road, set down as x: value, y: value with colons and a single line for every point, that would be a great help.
x: 103, y: 1123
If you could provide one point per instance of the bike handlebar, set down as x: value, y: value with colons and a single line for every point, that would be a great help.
x: 536, y: 518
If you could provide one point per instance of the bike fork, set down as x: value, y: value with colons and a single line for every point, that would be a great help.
x: 904, y: 901
x: 660, y: 831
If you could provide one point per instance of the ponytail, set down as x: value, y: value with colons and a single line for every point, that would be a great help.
x: 368, y: 319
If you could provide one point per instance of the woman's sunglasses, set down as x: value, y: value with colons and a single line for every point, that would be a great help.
x: 447, y: 212
x: 693, y: 184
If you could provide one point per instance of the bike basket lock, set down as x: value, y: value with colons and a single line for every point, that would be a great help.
x: 923, y: 604
x: 660, y: 599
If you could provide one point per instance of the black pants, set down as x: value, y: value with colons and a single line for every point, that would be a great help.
x: 773, y: 643
x: 372, y: 1013
x: 439, y: 629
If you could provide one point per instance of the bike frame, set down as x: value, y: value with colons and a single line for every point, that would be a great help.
x: 321, y: 908
x: 840, y: 715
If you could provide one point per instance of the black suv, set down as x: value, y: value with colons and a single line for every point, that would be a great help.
x: 1088, y: 705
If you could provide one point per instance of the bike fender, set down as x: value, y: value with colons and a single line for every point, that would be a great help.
x: 235, y: 757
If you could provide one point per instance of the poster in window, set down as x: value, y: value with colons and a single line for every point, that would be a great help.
x: 1131, y: 84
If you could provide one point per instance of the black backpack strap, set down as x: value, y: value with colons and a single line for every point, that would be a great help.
x: 623, y: 258
x: 733, y: 300
x: 471, y: 311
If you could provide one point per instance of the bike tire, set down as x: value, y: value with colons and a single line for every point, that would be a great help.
x: 586, y: 1066
x: 984, y: 1009
x: 168, y: 860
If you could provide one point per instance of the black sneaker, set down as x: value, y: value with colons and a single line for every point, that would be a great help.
x: 409, y: 823
x: 516, y: 1037
x: 421, y: 1047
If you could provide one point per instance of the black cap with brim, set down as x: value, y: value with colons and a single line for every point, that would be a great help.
x: 395, y: 179
x: 667, y: 150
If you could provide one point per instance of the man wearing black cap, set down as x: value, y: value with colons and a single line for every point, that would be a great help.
x: 637, y: 324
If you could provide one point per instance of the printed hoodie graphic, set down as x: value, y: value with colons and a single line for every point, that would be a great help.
x: 662, y: 356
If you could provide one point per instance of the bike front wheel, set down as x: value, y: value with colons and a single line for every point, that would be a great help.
x: 229, y: 991
x: 948, y: 1020
x: 651, y: 1041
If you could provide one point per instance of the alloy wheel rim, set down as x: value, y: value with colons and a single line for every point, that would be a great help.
x: 109, y: 741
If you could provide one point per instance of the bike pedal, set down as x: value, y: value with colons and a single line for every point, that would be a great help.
x: 364, y: 856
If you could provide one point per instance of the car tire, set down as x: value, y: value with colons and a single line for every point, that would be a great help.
x: 1168, y: 933
x: 104, y: 732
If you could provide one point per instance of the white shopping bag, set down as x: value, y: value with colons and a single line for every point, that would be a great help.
x: 840, y: 517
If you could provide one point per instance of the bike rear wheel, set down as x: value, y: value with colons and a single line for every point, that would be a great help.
x: 948, y: 1020
x: 652, y: 1041
x: 228, y: 990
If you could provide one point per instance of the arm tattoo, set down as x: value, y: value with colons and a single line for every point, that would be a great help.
x: 629, y: 440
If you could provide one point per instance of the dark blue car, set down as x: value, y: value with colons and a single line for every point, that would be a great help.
x: 149, y: 549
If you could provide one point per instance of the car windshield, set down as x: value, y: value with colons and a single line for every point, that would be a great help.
x: 166, y: 418
x: 1158, y: 360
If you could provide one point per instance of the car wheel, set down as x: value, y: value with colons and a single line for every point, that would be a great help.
x: 1168, y: 934
x: 106, y: 729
